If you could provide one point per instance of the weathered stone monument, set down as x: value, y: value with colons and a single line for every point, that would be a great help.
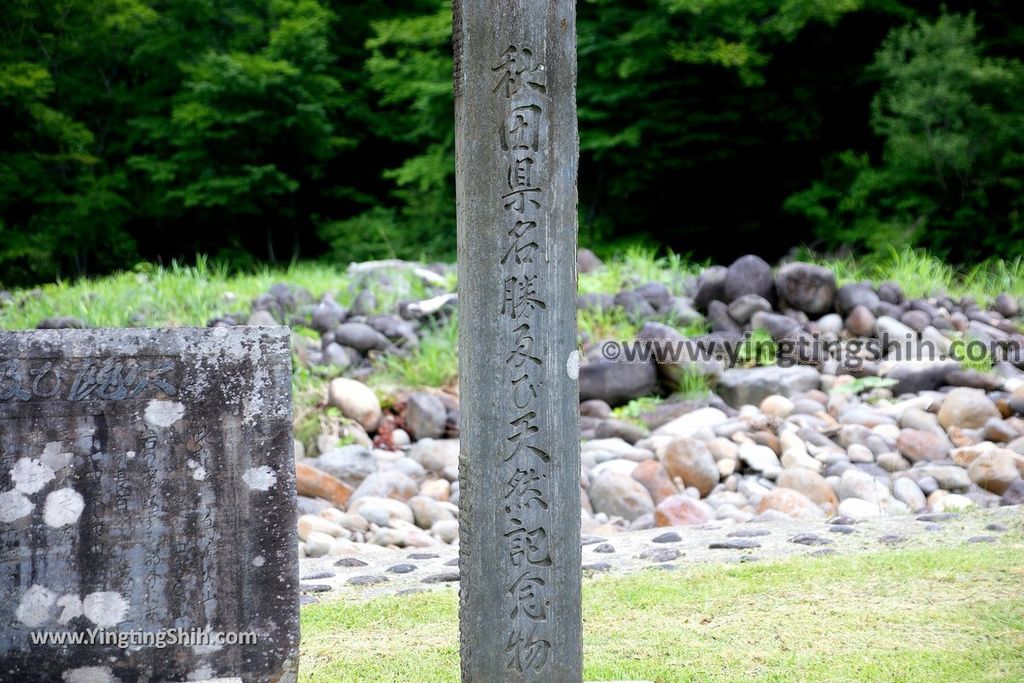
x: 516, y: 149
x: 147, y: 513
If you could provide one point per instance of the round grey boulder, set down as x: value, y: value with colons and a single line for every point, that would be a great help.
x: 806, y: 287
x: 748, y: 275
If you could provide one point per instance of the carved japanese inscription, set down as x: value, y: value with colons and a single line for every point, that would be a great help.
x: 516, y: 151
x: 520, y: 88
x: 147, y: 513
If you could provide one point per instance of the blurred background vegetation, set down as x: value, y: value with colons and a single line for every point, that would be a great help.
x: 266, y: 131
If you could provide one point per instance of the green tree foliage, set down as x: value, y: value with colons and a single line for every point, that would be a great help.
x: 409, y: 67
x: 250, y: 131
x: 670, y: 92
x: 951, y: 170
x: 62, y: 208
x: 262, y: 130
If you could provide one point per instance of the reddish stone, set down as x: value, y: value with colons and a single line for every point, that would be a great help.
x: 309, y: 481
x: 653, y: 475
x: 679, y: 510
x: 793, y: 503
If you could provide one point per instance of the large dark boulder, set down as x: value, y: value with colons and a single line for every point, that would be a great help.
x: 856, y: 294
x: 749, y: 275
x: 806, y: 287
x: 616, y: 382
x: 710, y: 287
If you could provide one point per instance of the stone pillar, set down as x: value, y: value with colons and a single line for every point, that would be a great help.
x: 516, y: 156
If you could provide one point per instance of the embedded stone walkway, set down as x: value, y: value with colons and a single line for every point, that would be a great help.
x: 374, y: 570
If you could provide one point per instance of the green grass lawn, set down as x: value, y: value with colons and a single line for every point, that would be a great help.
x: 953, y: 614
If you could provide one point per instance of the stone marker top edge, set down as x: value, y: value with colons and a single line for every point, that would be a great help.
x: 128, y: 340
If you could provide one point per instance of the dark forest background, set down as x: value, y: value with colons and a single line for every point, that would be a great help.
x: 269, y: 130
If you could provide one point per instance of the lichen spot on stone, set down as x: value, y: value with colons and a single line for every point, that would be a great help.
x: 207, y: 648
x: 105, y: 608
x: 202, y: 674
x: 35, y: 606
x: 13, y: 506
x: 30, y: 475
x: 90, y: 674
x: 163, y: 413
x: 199, y: 473
x: 70, y: 606
x: 54, y: 457
x: 258, y: 561
x: 63, y: 507
x: 260, y: 478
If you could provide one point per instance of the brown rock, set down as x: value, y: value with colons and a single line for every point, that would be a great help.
x: 690, y: 460
x: 811, y: 484
x: 967, y: 409
x: 653, y: 475
x: 1016, y: 402
x: 793, y: 503
x: 1000, y: 431
x: 966, y: 455
x: 680, y: 510
x: 995, y: 470
x: 309, y: 481
x: 861, y: 321
x: 766, y: 438
x: 917, y: 445
x: 960, y: 437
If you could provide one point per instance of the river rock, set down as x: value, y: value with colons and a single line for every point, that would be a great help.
x: 790, y: 502
x: 692, y: 423
x: 617, y: 494
x: 967, y: 409
x: 918, y: 445
x: 1014, y: 495
x: 681, y: 510
x: 360, y: 337
x: 996, y: 470
x: 777, y: 406
x: 710, y: 286
x: 742, y: 386
x: 892, y: 331
x: 587, y: 261
x: 860, y: 322
x: 857, y: 484
x: 760, y: 458
x: 310, y: 523
x: 908, y: 492
x: 743, y: 308
x: 806, y: 287
x: 810, y: 484
x: 309, y: 481
x: 691, y: 461
x: 436, y: 455
x: 616, y: 383
x: 351, y: 464
x: 425, y: 416
x: 856, y: 294
x: 858, y: 509
x: 386, y: 484
x: 948, y: 477
x: 428, y: 511
x: 356, y: 401
x: 748, y: 275
x: 381, y: 511
x: 655, y: 478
